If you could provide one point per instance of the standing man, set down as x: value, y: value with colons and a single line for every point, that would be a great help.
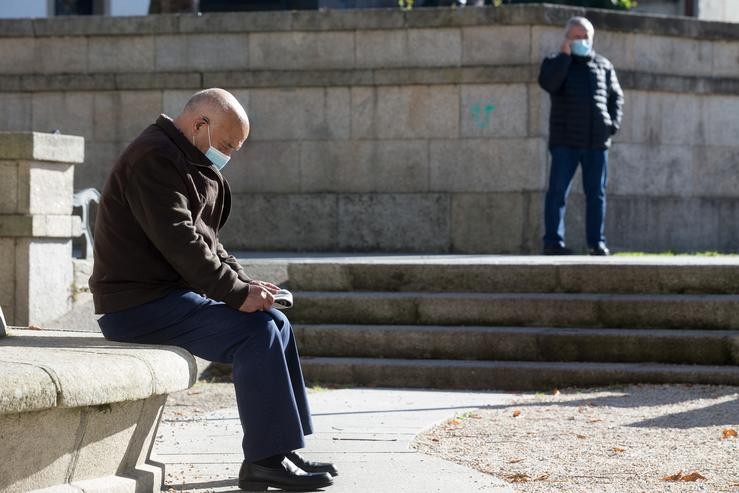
x: 161, y: 276
x: 586, y: 111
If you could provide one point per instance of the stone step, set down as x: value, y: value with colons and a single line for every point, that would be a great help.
x: 505, y: 375
x: 449, y: 273
x: 520, y: 343
x: 711, y: 312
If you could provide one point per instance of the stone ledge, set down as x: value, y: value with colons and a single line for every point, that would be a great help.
x: 79, y: 413
x: 343, y: 20
x: 40, y: 146
x: 40, y: 226
x: 47, y: 369
x: 629, y: 79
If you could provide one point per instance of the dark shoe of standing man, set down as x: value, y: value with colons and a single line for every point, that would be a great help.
x: 556, y: 249
x: 600, y: 250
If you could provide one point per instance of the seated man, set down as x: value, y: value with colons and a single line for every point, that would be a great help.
x: 162, y: 277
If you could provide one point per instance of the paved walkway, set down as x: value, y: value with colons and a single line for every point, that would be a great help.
x: 366, y: 432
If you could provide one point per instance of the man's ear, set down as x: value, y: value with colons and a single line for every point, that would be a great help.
x: 200, y: 121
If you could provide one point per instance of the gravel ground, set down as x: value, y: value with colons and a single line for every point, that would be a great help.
x: 623, y: 439
x: 181, y: 410
x: 199, y: 400
x: 619, y: 439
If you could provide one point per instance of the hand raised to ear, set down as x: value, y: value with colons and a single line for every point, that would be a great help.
x: 565, y: 48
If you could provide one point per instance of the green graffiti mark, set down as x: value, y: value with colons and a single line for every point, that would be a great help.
x: 481, y: 114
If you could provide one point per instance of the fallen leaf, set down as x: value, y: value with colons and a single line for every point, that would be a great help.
x: 594, y: 420
x: 34, y: 327
x: 518, y: 478
x: 455, y: 421
x: 693, y: 476
x: 516, y: 413
x: 581, y: 437
x: 618, y: 449
x: 434, y: 439
x: 674, y: 477
x: 543, y: 477
x: 728, y: 433
x: 515, y: 461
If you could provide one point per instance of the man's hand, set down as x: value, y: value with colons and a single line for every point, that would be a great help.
x: 259, y: 298
x: 565, y: 48
x: 267, y: 285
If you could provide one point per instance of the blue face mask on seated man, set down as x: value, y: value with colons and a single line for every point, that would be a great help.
x: 581, y: 47
x: 215, y: 156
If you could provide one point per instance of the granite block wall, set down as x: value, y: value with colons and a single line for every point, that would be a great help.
x: 382, y: 130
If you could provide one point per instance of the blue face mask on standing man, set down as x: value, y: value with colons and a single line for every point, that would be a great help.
x: 581, y: 47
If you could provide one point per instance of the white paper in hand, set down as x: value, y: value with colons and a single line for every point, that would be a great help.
x: 283, y: 299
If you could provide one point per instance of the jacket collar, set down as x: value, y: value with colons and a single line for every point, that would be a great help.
x: 586, y: 58
x: 192, y: 153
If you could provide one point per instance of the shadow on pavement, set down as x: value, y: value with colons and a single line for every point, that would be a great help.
x: 724, y: 413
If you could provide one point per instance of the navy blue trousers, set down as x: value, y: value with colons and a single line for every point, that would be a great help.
x: 268, y: 380
x: 565, y: 161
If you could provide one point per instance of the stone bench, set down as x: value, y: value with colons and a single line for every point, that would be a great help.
x: 79, y: 413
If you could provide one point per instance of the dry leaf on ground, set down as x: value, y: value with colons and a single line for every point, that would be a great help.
x: 618, y: 449
x: 674, y: 477
x: 679, y: 476
x: 728, y: 433
x: 581, y: 437
x: 455, y: 421
x: 543, y: 477
x: 515, y: 461
x: 516, y: 413
x: 693, y: 476
x: 518, y: 478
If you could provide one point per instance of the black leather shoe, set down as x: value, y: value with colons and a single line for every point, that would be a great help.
x: 556, y: 250
x: 600, y: 250
x: 287, y: 477
x: 310, y: 466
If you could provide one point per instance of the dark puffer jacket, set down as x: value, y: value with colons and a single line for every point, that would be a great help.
x: 587, y: 100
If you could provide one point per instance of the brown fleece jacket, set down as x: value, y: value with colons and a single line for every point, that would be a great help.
x: 157, y: 226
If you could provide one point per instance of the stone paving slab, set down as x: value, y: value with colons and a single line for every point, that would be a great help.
x: 366, y: 432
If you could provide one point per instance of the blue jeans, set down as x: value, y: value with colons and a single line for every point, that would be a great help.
x: 594, y: 179
x: 270, y: 393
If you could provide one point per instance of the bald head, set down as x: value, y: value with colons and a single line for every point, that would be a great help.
x: 214, y: 117
x: 217, y: 102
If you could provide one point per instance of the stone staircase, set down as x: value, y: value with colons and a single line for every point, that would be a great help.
x: 486, y: 322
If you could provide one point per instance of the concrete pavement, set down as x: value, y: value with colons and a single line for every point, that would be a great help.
x: 366, y: 432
